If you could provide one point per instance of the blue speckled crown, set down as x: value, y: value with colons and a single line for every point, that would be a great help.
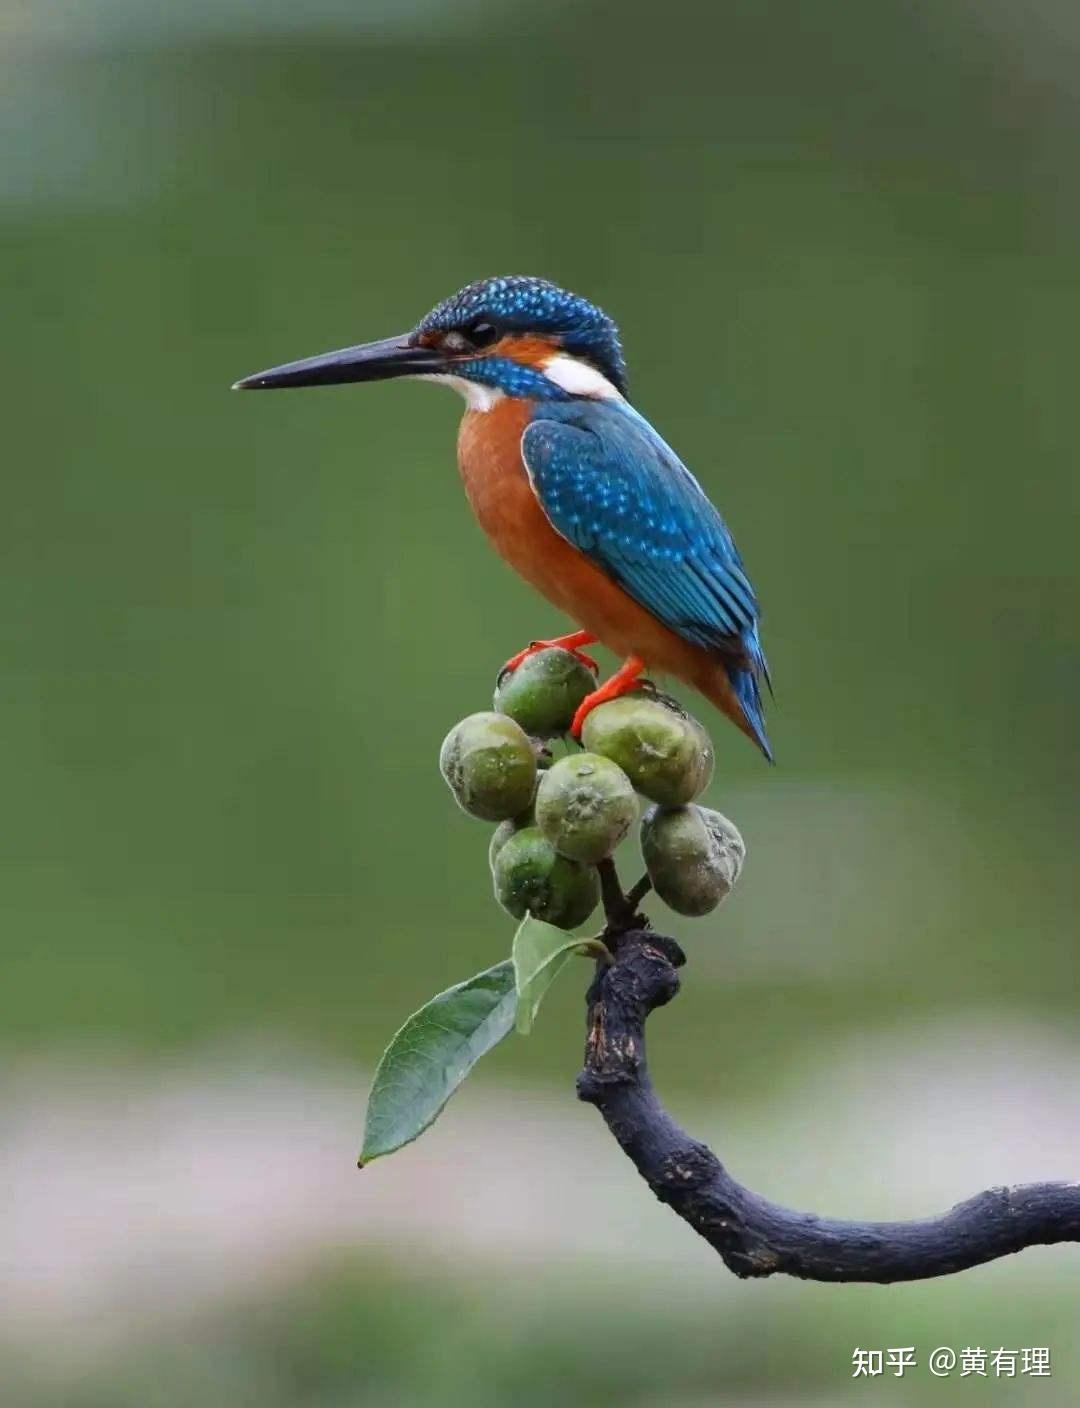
x: 521, y: 303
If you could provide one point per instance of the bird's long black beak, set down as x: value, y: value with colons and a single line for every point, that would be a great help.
x: 374, y: 361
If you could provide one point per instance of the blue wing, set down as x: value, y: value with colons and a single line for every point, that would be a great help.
x: 614, y: 489
x: 610, y: 485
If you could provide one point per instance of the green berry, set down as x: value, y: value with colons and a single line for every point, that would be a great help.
x: 585, y: 805
x: 666, y: 754
x: 505, y: 830
x: 532, y: 878
x: 693, y: 856
x: 490, y: 766
x: 543, y: 693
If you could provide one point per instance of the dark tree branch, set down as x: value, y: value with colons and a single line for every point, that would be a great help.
x: 753, y: 1236
x: 621, y: 911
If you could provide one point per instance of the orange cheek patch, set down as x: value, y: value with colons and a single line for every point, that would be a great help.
x: 529, y: 350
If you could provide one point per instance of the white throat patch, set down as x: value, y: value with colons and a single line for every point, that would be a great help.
x: 477, y: 396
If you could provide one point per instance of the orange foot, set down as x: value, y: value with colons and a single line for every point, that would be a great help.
x: 622, y: 682
x: 570, y: 642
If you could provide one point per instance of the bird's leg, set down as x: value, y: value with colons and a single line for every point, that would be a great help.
x: 570, y: 642
x: 622, y: 681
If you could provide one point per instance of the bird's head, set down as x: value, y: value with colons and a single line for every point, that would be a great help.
x: 511, y: 336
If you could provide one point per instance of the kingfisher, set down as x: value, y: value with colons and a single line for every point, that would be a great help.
x: 575, y: 489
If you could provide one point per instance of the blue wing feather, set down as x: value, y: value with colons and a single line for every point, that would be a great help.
x: 611, y: 486
x: 614, y: 489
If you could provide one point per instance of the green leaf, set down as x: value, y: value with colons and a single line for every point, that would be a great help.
x: 432, y: 1054
x: 539, y: 956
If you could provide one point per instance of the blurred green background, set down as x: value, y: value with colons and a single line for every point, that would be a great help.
x: 840, y: 240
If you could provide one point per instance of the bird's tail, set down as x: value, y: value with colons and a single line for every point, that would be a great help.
x: 737, y: 692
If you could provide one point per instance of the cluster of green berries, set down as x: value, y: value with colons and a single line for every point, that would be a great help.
x: 559, y: 817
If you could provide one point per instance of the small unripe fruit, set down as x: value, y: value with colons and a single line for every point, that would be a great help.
x: 532, y: 878
x: 666, y: 754
x: 490, y: 766
x: 505, y: 830
x: 543, y: 693
x: 585, y: 805
x: 693, y: 856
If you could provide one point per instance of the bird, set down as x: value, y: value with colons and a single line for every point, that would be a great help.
x: 576, y: 490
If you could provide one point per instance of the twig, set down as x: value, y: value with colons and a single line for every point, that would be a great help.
x: 754, y: 1236
x: 637, y: 893
x: 611, y: 893
x: 621, y: 911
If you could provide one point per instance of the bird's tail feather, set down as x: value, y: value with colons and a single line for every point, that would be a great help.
x: 737, y: 692
x: 745, y: 687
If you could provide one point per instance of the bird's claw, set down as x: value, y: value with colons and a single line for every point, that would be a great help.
x: 625, y: 681
x: 534, y: 646
x: 586, y: 660
x: 581, y: 713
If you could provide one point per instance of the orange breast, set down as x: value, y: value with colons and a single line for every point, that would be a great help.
x: 502, y: 497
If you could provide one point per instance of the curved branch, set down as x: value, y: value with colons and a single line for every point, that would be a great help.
x: 753, y: 1236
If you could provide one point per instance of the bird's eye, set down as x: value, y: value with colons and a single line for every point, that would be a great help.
x: 481, y: 333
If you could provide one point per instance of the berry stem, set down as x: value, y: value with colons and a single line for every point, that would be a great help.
x: 638, y: 892
x: 620, y: 909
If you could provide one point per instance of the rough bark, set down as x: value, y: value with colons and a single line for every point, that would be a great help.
x: 754, y: 1236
